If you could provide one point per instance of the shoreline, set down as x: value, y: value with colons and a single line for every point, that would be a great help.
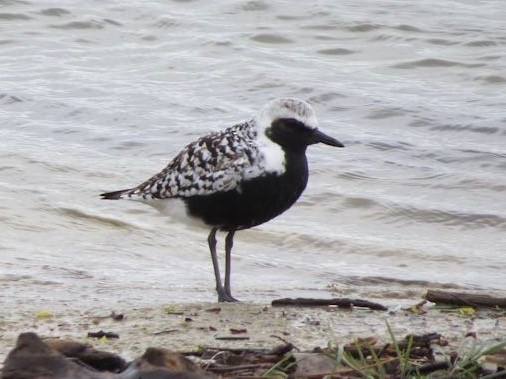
x: 186, y: 326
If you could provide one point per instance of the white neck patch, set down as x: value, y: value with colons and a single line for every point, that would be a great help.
x: 272, y: 153
x: 273, y: 156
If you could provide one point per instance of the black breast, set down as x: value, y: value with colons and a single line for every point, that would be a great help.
x: 259, y: 200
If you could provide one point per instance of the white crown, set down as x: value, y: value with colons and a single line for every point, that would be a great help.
x: 287, y: 108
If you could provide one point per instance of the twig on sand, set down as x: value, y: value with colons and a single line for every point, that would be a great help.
x: 466, y: 299
x: 340, y: 302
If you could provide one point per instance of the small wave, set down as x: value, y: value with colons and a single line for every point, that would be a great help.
x: 468, y: 184
x: 8, y: 278
x: 468, y: 127
x: 321, y: 27
x: 360, y: 202
x: 483, y: 153
x: 490, y: 57
x: 433, y: 62
x: 420, y: 122
x: 112, y: 22
x: 363, y: 27
x: 66, y: 272
x: 79, y: 25
x: 325, y: 97
x: 167, y: 23
x: 76, y: 213
x: 380, y: 280
x: 481, y: 43
x: 392, y: 37
x: 336, y: 51
x: 254, y: 6
x: 491, y: 79
x: 270, y: 38
x: 149, y: 38
x: 128, y: 145
x: 440, y: 41
x: 408, y: 28
x: 385, y: 113
x: 54, y: 12
x: 290, y: 18
x: 9, y: 99
x: 443, y: 217
x: 389, y: 146
x: 10, y: 168
x: 14, y: 17
x: 356, y: 175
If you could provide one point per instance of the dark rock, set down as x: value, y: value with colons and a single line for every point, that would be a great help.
x: 32, y: 358
x: 97, y: 359
x: 166, y: 359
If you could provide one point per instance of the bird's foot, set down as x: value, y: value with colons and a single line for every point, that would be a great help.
x: 224, y: 297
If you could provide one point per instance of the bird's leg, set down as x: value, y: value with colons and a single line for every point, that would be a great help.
x: 211, y: 240
x: 229, y: 242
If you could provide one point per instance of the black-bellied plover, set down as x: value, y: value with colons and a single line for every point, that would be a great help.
x: 238, y: 178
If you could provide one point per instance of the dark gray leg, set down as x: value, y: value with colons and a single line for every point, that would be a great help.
x: 211, y: 240
x: 222, y: 294
x: 229, y: 242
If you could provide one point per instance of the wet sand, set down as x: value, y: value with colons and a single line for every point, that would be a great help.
x: 185, y: 327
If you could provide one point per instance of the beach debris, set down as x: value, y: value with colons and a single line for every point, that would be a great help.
x: 314, y: 365
x: 465, y: 299
x: 114, y: 316
x: 419, y: 308
x: 412, y: 356
x: 43, y: 314
x: 157, y: 357
x: 231, y: 338
x: 85, y: 353
x: 339, y: 302
x: 215, y: 310
x: 165, y: 331
x: 117, y: 316
x: 236, y: 362
x: 173, y: 310
x: 101, y: 334
x: 238, y: 330
x: 33, y: 358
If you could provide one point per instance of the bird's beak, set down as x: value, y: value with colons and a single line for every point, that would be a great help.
x: 323, y: 138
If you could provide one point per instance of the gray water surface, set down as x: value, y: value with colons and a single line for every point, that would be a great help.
x: 99, y: 95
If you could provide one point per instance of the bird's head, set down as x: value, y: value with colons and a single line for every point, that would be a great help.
x: 292, y: 124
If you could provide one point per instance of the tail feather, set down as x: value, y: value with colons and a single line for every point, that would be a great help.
x: 116, y: 194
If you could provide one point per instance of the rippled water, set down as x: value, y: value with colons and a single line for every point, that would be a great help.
x: 99, y: 96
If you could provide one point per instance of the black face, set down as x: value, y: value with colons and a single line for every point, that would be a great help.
x: 294, y: 135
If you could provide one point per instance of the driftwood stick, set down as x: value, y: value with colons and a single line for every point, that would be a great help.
x: 466, y: 299
x: 232, y: 338
x: 340, y: 302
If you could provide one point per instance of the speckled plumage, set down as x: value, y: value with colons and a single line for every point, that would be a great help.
x: 220, y: 161
x: 214, y: 163
x: 238, y: 178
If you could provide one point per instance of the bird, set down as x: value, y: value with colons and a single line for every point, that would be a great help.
x: 237, y: 178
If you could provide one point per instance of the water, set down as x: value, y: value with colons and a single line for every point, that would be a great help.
x: 99, y: 97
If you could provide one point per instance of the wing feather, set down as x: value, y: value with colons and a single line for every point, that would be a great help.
x: 214, y: 163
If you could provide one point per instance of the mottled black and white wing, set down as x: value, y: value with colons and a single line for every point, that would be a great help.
x: 215, y: 163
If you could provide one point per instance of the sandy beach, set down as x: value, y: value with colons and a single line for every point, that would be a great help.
x: 185, y: 327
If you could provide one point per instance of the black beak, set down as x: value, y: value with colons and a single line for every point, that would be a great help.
x: 323, y: 138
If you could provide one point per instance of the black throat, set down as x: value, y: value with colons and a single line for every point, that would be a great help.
x: 258, y: 200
